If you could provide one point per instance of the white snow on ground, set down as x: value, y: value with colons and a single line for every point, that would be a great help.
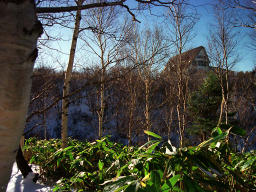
x: 18, y: 184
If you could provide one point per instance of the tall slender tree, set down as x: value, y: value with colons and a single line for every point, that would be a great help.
x: 108, y: 37
x: 68, y: 74
x: 148, y: 51
x: 222, y: 50
x: 182, y: 22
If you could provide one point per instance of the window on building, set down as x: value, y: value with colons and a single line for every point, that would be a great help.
x: 201, y: 63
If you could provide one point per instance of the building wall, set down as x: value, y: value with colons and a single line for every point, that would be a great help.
x: 202, y: 60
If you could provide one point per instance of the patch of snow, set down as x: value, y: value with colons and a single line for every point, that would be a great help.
x: 174, y: 149
x: 19, y: 184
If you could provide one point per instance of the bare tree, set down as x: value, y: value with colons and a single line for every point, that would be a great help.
x: 132, y: 104
x: 148, y: 51
x: 222, y: 45
x: 68, y: 74
x: 19, y: 32
x: 182, y: 23
x: 105, y: 42
x: 250, y: 7
x: 51, y: 13
x: 170, y: 87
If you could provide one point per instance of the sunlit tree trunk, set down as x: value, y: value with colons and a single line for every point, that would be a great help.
x: 102, y: 98
x: 148, y: 51
x: 180, y: 93
x: 221, y: 108
x: 227, y: 86
x: 19, y: 30
x: 105, y: 43
x: 185, y: 97
x: 68, y: 74
x: 222, y: 45
x: 102, y: 47
x: 182, y: 24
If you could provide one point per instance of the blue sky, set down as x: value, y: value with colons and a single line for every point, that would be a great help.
x: 247, y: 58
x: 201, y: 31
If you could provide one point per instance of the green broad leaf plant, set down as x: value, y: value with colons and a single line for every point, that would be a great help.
x: 106, y: 166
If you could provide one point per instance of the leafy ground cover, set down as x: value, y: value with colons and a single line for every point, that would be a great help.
x: 156, y: 166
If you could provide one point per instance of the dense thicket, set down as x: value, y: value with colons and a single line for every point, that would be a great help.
x: 125, y: 92
x: 156, y: 166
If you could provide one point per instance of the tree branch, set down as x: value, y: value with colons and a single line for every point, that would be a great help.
x: 103, y: 4
x: 75, y: 8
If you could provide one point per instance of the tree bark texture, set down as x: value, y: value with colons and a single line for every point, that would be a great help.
x: 68, y: 74
x: 222, y: 104
x: 169, y: 123
x: 19, y: 30
x: 102, y: 105
x: 22, y: 163
x: 102, y: 86
x: 147, y: 109
x: 227, y: 88
x: 131, y: 111
x: 102, y: 45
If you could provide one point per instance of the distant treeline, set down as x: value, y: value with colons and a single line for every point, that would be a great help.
x: 124, y: 105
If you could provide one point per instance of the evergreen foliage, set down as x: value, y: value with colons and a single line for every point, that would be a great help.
x: 204, y: 104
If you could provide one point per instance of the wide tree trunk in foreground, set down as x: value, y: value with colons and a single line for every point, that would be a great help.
x: 19, y: 30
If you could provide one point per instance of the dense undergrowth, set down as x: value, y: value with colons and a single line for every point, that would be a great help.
x: 156, y: 166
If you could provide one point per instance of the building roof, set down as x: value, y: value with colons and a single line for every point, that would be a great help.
x: 187, y: 56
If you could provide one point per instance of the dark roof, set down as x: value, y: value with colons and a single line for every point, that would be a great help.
x: 187, y: 56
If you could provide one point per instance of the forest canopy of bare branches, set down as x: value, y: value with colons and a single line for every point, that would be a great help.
x: 120, y: 86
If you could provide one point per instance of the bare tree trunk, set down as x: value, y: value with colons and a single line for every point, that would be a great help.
x: 222, y: 46
x: 19, y: 30
x: 180, y: 94
x: 147, y: 110
x: 131, y: 112
x: 170, y: 123
x: 221, y: 111
x: 184, y: 105
x: 222, y: 104
x: 44, y: 119
x: 180, y: 127
x: 22, y: 163
x: 183, y: 22
x: 68, y: 74
x: 169, y: 111
x: 102, y: 83
x: 131, y: 121
x: 102, y: 100
x: 227, y: 89
x: 226, y: 111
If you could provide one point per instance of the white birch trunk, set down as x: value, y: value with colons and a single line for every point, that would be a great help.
x: 222, y: 104
x: 68, y: 74
x: 102, y: 101
x: 19, y: 30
